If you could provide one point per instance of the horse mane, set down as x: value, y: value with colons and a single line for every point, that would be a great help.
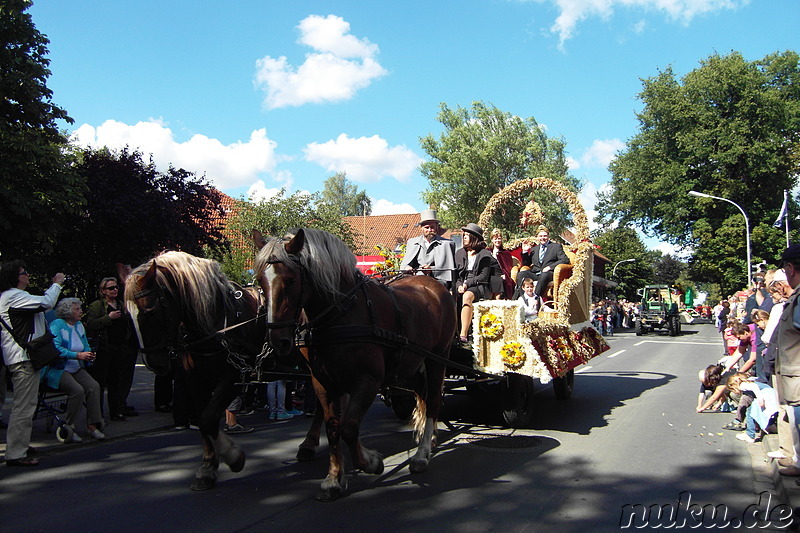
x: 197, y: 281
x: 326, y: 261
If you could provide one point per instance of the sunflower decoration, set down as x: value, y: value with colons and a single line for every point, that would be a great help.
x: 513, y: 355
x: 491, y: 327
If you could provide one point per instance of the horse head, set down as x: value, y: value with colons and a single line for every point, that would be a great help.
x: 279, y: 273
x: 156, y: 318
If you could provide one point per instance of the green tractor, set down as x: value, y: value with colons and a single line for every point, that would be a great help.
x: 659, y: 309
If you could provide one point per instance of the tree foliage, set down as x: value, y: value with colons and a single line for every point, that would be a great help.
x: 275, y: 216
x: 619, y: 244
x: 37, y: 182
x: 482, y: 150
x: 342, y: 195
x: 730, y: 128
x: 133, y: 211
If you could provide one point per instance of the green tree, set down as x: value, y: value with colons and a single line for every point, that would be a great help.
x: 730, y: 128
x: 668, y: 269
x: 132, y: 212
x: 619, y: 244
x: 481, y: 151
x: 275, y: 216
x: 37, y: 183
x: 344, y: 196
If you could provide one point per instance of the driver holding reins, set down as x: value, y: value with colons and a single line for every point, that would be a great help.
x: 429, y: 253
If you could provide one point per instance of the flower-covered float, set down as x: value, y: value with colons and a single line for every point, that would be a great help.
x: 561, y: 338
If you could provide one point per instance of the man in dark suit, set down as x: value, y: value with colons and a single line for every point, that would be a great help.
x: 542, y: 260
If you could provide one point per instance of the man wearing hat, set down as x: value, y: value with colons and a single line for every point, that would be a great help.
x: 429, y: 253
x: 542, y: 260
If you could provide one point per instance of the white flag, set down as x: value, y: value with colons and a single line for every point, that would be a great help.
x: 784, y: 211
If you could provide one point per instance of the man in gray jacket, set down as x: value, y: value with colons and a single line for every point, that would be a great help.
x: 430, y: 254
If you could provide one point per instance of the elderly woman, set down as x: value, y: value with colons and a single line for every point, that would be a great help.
x: 69, y: 373
x: 502, y: 283
x: 473, y: 268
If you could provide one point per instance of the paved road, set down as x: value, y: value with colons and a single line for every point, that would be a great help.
x: 628, y: 436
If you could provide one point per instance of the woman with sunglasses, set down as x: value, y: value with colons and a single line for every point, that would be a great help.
x: 111, y: 331
x: 23, y: 312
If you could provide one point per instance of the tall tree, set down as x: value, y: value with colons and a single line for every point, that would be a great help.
x: 37, y: 183
x: 619, y: 244
x: 132, y: 212
x: 482, y: 150
x: 731, y: 129
x: 344, y: 196
x: 275, y: 216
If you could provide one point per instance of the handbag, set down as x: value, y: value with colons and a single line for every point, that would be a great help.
x: 41, y: 351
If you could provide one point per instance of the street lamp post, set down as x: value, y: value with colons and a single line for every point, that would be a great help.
x: 614, y: 270
x: 746, y: 226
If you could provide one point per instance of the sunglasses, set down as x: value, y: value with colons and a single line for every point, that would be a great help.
x: 112, y: 288
x: 23, y: 273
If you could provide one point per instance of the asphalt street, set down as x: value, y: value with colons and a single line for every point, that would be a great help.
x: 628, y: 439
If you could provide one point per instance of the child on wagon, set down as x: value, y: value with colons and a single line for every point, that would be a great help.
x: 530, y: 302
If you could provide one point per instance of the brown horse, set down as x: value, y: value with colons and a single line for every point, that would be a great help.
x: 187, y: 312
x: 361, y: 335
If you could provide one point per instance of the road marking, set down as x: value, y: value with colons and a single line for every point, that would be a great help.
x: 680, y: 342
x: 584, y: 369
x: 615, y: 354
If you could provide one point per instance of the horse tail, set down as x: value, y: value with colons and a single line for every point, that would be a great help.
x: 418, y: 418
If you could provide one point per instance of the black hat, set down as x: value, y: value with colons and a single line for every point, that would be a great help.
x: 789, y: 254
x: 474, y: 229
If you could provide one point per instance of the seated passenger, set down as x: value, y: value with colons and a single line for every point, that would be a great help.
x: 542, y: 260
x: 68, y: 374
x: 473, y: 270
x: 530, y: 302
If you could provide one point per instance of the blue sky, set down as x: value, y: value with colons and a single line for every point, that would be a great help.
x: 259, y: 95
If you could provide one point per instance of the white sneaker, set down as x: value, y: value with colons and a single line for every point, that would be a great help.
x: 745, y: 437
x: 776, y: 454
x: 76, y: 438
x: 97, y: 434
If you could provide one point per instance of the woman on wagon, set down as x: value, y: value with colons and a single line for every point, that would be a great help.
x: 473, y: 268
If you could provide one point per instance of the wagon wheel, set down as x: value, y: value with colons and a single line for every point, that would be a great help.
x: 516, y: 399
x: 564, y: 386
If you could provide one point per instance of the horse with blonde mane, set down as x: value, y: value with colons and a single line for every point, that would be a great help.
x: 180, y: 305
x: 361, y: 335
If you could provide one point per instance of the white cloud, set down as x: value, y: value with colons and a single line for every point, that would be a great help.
x: 364, y: 159
x: 341, y: 65
x: 572, y: 12
x: 385, y: 207
x: 258, y: 192
x: 226, y: 166
x: 601, y: 152
x: 572, y: 163
x: 588, y: 199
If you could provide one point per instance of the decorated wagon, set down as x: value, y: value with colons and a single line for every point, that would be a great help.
x: 510, y: 353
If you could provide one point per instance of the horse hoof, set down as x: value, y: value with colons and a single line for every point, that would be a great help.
x: 306, y: 454
x: 238, y: 464
x: 377, y: 469
x: 328, y: 495
x: 203, y: 483
x: 418, y: 466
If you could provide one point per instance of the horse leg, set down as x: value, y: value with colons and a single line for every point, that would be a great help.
x: 206, y: 475
x: 308, y: 447
x: 334, y: 483
x: 215, y: 445
x: 364, y: 458
x: 425, y: 419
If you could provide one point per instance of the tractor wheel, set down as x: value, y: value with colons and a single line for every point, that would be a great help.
x: 638, y: 328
